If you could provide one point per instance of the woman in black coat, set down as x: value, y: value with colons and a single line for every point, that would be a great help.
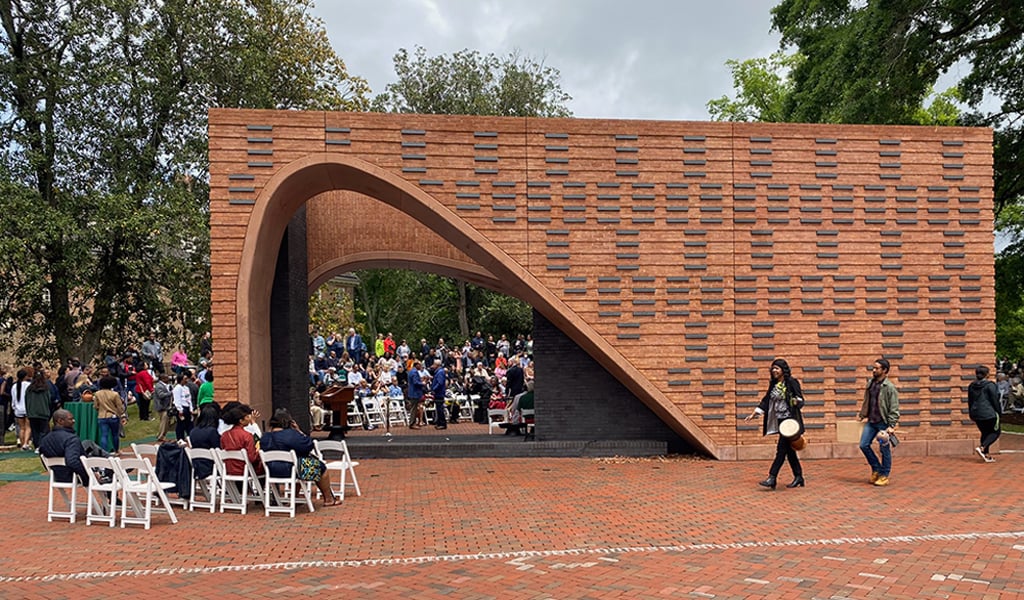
x: 783, y: 400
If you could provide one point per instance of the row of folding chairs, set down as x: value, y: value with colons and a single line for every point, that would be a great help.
x: 378, y: 411
x: 141, y: 492
x: 130, y: 482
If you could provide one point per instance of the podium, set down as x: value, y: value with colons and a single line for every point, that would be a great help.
x: 336, y: 399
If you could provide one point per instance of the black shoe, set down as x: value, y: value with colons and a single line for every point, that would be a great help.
x: 768, y: 483
x: 440, y: 427
x: 797, y: 482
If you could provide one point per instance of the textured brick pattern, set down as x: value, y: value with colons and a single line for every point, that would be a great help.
x: 682, y: 256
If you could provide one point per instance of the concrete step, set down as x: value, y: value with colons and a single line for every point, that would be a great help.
x: 495, y: 446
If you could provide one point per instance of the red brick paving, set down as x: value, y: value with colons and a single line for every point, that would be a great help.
x: 562, y: 528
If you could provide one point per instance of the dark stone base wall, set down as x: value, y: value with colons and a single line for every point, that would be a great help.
x: 577, y: 399
x: 289, y: 324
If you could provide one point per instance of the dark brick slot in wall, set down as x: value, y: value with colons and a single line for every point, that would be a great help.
x: 289, y: 313
x: 577, y: 399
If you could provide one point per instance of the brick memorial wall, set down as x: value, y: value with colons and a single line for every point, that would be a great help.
x: 682, y: 257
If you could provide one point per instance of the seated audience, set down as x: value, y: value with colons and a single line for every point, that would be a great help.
x: 285, y: 435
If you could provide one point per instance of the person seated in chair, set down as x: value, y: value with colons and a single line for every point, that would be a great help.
x: 205, y: 435
x: 285, y: 435
x: 238, y: 418
x: 63, y: 442
x: 521, y: 402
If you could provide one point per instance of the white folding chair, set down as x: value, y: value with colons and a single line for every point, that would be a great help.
x: 102, y: 505
x: 429, y: 409
x: 141, y: 491
x: 146, y: 451
x: 248, y: 481
x: 355, y: 416
x: 61, y: 487
x: 150, y: 452
x: 529, y: 424
x: 206, y: 486
x: 465, y: 407
x: 372, y: 410
x: 279, y: 493
x: 397, y: 414
x: 495, y: 418
x: 339, y: 460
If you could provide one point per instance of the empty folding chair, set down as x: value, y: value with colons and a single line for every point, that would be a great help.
x: 496, y: 417
x: 247, y: 482
x: 61, y: 488
x: 146, y: 451
x: 335, y: 455
x: 355, y: 416
x: 529, y: 425
x: 102, y: 490
x: 142, y: 492
x: 280, y: 493
x: 373, y: 412
x: 397, y: 414
x: 203, y: 461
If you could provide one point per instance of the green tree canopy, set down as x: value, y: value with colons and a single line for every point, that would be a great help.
x: 469, y: 83
x: 103, y: 174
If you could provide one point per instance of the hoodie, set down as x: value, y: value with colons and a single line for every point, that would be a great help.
x: 983, y: 400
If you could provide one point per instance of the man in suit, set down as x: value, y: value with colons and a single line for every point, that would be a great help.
x: 439, y: 386
x: 515, y: 378
x: 354, y: 345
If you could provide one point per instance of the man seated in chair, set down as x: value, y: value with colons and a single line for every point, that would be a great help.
x: 62, y: 441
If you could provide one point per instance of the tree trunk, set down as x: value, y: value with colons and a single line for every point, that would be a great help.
x: 463, y: 317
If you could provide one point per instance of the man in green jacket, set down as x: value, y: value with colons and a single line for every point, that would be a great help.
x: 881, y: 409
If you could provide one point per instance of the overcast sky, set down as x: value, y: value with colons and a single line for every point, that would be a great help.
x: 643, y: 59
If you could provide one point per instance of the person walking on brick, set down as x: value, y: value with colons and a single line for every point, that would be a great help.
x: 983, y: 408
x: 783, y: 400
x: 881, y: 409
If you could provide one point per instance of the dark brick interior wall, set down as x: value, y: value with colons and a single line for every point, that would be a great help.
x: 289, y: 324
x: 576, y: 399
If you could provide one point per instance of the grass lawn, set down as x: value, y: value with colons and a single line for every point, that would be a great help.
x: 19, y: 462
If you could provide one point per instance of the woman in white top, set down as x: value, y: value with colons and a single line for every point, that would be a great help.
x: 21, y: 383
x: 182, y: 402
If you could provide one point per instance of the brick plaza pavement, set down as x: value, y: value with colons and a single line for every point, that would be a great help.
x: 561, y: 528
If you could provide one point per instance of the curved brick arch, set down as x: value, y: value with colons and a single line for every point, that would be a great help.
x: 299, y: 181
x: 468, y: 271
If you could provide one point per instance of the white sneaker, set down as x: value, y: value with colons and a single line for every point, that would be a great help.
x: 989, y: 459
x: 981, y: 453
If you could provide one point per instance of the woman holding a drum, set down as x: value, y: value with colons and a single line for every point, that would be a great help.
x: 780, y: 408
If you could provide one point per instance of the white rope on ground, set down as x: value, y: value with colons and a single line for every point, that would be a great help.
x: 443, y: 558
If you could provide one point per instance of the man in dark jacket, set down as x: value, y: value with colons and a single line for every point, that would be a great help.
x: 983, y: 408
x: 63, y: 442
x: 514, y: 379
x: 438, y: 387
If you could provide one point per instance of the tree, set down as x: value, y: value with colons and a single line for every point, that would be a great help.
x: 763, y: 86
x: 103, y: 175
x: 467, y: 83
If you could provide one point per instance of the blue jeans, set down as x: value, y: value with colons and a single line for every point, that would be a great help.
x: 110, y: 433
x: 870, y: 433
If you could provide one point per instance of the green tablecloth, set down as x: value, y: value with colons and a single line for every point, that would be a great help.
x: 85, y: 420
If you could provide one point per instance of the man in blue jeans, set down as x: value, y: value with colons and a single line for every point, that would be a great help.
x: 881, y: 409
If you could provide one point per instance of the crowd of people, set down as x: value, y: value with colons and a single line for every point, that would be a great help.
x: 31, y: 395
x: 495, y: 370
